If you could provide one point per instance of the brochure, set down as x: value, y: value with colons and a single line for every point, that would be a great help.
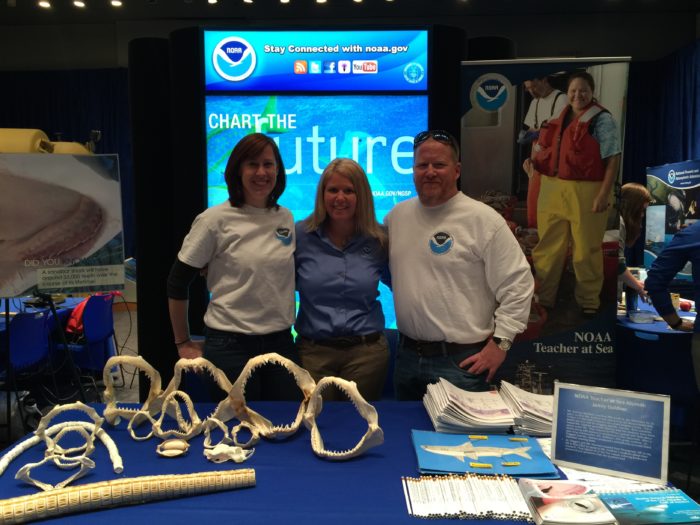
x: 452, y: 409
x: 669, y: 505
x: 563, y: 502
x: 488, y: 454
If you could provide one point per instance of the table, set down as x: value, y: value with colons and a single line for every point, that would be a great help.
x: 293, y: 485
x: 17, y: 305
x: 655, y: 328
x: 653, y: 358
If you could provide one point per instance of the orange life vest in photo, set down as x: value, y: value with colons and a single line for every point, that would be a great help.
x: 571, y: 153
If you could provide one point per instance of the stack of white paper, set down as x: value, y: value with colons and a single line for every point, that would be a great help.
x: 532, y: 412
x: 454, y: 410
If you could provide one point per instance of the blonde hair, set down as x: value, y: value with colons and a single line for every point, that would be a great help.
x: 633, y: 198
x: 365, y: 217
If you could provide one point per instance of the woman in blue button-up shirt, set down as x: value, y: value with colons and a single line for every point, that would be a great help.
x: 340, y: 258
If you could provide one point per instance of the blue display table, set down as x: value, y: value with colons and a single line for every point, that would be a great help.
x: 293, y: 485
x: 653, y: 358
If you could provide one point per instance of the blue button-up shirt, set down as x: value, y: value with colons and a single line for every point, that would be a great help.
x: 683, y: 248
x: 338, y: 288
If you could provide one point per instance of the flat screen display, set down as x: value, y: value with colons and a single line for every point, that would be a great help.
x: 316, y: 60
x: 321, y: 114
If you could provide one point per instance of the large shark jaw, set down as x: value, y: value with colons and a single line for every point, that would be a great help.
x: 372, y: 438
x: 159, y: 403
x: 236, y: 397
x: 112, y: 412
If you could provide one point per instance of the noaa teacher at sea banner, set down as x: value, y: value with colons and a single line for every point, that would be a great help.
x: 462, y: 286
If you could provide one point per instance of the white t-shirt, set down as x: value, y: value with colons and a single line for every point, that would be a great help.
x: 249, y: 255
x: 545, y: 108
x: 457, y: 272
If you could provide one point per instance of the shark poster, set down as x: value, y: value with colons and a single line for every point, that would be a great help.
x: 62, y: 224
x: 490, y: 454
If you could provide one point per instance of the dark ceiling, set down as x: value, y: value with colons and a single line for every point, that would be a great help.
x: 27, y: 12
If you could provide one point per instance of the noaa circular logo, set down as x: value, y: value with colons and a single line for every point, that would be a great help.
x: 490, y: 92
x: 440, y: 243
x: 671, y: 176
x: 284, y: 235
x: 234, y: 59
x: 413, y: 72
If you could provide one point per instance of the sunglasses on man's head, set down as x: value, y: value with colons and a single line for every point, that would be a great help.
x: 436, y: 134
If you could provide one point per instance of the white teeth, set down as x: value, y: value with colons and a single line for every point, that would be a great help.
x: 167, y: 403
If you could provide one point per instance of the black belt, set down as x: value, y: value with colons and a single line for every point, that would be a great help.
x: 344, y: 341
x: 273, y: 336
x: 436, y: 348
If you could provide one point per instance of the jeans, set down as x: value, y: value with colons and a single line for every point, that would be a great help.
x: 413, y: 373
x: 230, y: 352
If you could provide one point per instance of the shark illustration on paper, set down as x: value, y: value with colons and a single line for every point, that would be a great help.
x: 467, y: 450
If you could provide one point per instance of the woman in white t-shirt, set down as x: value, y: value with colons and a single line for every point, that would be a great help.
x: 247, y: 246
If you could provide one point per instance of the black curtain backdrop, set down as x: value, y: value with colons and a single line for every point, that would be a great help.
x: 67, y: 105
x: 663, y: 117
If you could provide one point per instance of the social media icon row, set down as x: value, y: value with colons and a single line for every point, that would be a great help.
x: 331, y: 67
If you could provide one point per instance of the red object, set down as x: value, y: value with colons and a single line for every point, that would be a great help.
x: 74, y: 326
x: 572, y: 154
x: 686, y: 306
x: 75, y: 321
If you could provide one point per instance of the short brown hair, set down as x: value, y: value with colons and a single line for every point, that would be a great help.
x: 248, y: 148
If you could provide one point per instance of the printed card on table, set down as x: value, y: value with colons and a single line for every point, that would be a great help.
x: 489, y: 454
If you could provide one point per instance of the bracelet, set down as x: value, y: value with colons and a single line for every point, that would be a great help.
x: 676, y: 326
x: 183, y: 342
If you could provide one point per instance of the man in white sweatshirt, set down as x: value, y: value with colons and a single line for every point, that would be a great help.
x: 462, y: 286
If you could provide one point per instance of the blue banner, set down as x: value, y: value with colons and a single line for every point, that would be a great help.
x: 316, y: 60
x: 675, y: 189
x: 682, y: 175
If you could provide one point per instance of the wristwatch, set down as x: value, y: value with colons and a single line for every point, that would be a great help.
x: 503, y: 343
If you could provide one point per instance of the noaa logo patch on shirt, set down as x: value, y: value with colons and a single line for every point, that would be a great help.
x: 284, y: 235
x: 441, y: 242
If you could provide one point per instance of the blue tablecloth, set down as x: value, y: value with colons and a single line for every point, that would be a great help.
x: 293, y: 485
x: 657, y: 327
x: 63, y: 309
x: 651, y: 357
